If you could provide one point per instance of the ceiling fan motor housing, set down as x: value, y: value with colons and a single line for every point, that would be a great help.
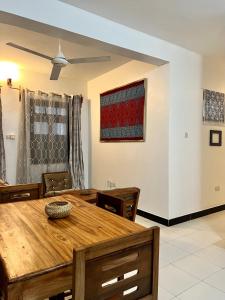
x: 60, y: 60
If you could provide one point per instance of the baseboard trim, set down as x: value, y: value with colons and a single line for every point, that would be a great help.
x: 181, y: 219
x: 152, y: 217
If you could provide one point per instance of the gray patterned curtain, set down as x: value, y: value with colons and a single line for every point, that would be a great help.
x: 75, y: 152
x: 23, y: 170
x: 43, y: 137
x: 2, y: 147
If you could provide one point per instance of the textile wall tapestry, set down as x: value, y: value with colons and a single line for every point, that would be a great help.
x: 122, y: 113
x: 213, y: 106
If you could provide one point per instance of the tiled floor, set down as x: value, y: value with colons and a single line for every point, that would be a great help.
x: 192, y: 259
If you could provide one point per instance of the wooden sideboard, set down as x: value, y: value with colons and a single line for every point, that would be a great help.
x: 20, y: 192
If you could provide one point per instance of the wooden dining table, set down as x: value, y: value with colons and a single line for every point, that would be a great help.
x: 36, y: 252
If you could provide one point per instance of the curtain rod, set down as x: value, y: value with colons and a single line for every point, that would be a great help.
x: 30, y: 91
x: 66, y: 95
x: 54, y: 94
x: 12, y: 88
x: 42, y: 93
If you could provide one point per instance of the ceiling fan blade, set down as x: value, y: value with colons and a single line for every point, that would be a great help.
x: 89, y: 59
x: 29, y: 50
x: 55, y: 72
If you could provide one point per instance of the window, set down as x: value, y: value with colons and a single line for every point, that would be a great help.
x: 49, y: 131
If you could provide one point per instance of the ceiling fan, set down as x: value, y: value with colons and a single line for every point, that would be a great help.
x: 59, y: 61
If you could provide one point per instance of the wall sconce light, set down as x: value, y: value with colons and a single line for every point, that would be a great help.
x: 9, y: 82
x: 9, y: 72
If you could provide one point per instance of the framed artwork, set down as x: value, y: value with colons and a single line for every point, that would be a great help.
x: 215, y: 138
x: 213, y: 106
x: 122, y: 113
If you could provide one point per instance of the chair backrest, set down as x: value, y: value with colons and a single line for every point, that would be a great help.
x: 56, y: 181
x: 122, y: 202
x: 20, y: 192
x: 123, y: 268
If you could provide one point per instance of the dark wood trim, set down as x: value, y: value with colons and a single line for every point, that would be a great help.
x: 212, y: 133
x: 208, y: 211
x: 20, y: 192
x: 181, y: 219
x: 152, y: 217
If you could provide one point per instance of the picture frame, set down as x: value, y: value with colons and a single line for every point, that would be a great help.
x: 215, y: 138
x: 213, y: 107
x: 123, y: 113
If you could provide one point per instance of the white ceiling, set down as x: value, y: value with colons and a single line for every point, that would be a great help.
x: 49, y: 45
x: 198, y: 25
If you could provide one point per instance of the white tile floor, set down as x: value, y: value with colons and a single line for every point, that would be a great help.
x: 192, y: 259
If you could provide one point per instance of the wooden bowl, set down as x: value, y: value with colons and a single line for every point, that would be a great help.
x: 58, y: 209
x: 85, y: 192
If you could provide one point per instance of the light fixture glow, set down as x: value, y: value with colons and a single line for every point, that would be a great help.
x: 8, y: 70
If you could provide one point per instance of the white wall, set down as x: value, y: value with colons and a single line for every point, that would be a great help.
x: 184, y: 82
x: 213, y: 157
x: 185, y: 147
x: 167, y: 165
x: 11, y: 114
x: 10, y: 121
x: 141, y: 164
x: 214, y: 73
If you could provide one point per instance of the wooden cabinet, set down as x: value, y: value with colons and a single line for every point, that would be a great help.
x: 20, y: 192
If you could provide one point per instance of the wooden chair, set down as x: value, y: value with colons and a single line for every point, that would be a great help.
x: 56, y: 181
x: 20, y: 192
x: 109, y: 270
x: 63, y: 296
x: 3, y: 182
x: 122, y: 202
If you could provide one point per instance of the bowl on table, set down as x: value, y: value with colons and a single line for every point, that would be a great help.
x: 58, y: 209
x: 85, y: 192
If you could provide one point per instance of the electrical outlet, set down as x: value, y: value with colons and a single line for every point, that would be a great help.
x: 217, y: 188
x: 10, y: 136
x: 110, y: 184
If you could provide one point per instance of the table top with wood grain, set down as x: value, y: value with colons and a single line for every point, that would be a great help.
x: 31, y: 244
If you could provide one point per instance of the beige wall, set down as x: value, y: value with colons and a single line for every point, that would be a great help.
x: 185, y: 137
x: 214, y: 74
x: 167, y: 166
x: 184, y: 79
x: 142, y: 164
x: 213, y: 185
x: 11, y: 112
